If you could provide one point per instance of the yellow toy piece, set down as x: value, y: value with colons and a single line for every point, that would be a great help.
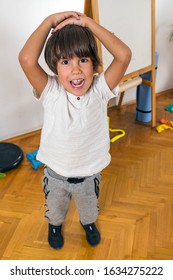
x: 162, y: 127
x: 165, y: 124
x: 120, y: 132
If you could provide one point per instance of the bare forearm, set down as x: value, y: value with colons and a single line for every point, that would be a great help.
x: 33, y: 47
x: 112, y: 43
x: 120, y: 51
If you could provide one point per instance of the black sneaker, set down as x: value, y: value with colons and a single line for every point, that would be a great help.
x: 92, y: 234
x: 55, y: 237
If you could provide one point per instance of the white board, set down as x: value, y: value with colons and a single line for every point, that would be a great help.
x: 131, y: 21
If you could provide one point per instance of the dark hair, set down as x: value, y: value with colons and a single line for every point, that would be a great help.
x: 71, y: 40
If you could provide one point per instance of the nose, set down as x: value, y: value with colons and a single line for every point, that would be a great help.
x: 76, y: 68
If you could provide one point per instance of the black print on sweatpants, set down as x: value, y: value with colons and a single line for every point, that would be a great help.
x: 45, y: 183
x: 97, y: 183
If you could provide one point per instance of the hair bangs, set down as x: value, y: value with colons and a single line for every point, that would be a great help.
x: 74, y: 42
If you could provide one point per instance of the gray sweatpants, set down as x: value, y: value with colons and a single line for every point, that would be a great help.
x: 58, y: 192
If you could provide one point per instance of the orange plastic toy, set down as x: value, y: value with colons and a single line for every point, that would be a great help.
x: 164, y: 121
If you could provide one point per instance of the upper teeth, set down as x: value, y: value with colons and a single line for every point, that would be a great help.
x: 76, y: 81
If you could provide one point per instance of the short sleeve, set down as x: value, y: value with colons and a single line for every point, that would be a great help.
x: 102, y: 88
x: 51, y: 86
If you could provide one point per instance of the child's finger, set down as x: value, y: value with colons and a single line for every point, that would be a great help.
x: 71, y: 20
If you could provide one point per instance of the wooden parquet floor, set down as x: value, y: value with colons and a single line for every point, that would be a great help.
x: 136, y: 199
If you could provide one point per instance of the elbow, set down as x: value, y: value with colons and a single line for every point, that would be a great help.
x: 128, y: 55
x: 126, y: 58
x: 24, y: 60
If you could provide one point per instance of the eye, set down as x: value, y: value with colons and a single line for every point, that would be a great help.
x: 84, y: 60
x: 65, y: 61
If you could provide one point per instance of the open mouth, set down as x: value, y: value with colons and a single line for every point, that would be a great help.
x: 78, y: 83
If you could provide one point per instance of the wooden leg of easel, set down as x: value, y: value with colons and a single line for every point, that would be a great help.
x: 153, y: 122
x: 153, y: 97
x: 120, y: 100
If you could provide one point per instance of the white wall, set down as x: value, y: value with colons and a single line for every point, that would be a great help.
x: 19, y: 111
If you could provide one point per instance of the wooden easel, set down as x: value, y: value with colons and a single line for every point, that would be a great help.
x: 91, y: 9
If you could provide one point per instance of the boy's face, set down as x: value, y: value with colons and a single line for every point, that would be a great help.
x: 75, y: 74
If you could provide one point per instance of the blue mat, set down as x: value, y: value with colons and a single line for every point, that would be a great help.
x: 143, y: 97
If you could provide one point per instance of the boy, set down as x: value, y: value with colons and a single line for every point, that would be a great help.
x: 75, y: 138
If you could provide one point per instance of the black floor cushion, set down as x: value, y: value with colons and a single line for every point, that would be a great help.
x: 10, y: 156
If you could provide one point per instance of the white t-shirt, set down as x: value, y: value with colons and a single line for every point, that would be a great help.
x: 75, y: 136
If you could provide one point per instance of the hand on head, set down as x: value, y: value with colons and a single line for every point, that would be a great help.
x: 69, y: 18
